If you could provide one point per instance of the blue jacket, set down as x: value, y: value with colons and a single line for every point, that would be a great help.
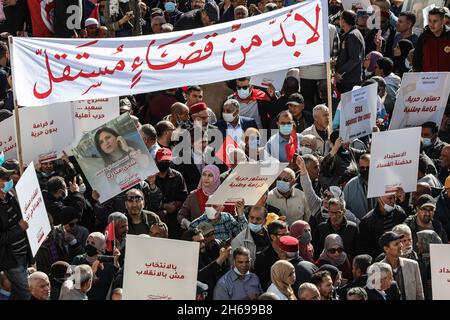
x: 244, y: 121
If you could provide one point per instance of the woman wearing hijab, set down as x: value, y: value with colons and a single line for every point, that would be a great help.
x: 195, y: 203
x: 103, y: 271
x: 282, y: 275
x: 370, y: 62
x: 401, y: 51
x: 302, y: 231
x: 424, y: 239
x: 57, y: 275
x: 333, y: 253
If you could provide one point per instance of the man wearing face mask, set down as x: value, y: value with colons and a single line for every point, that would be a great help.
x: 355, y: 191
x: 233, y: 124
x: 57, y: 195
x: 173, y: 188
x: 255, y: 103
x: 382, y: 218
x: 255, y: 237
x: 171, y: 12
x: 276, y: 146
x: 225, y: 225
x: 14, y: 248
x: 289, y: 200
x: 431, y: 142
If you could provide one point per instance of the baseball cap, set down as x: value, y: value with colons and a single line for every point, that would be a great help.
x: 205, y: 227
x: 5, y: 174
x: 388, y: 237
x: 425, y: 200
x: 163, y: 154
x: 296, y: 99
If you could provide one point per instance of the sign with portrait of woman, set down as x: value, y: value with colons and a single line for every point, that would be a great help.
x: 114, y: 158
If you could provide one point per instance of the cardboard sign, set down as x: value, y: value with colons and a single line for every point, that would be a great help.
x: 272, y: 78
x: 440, y: 271
x: 8, y: 138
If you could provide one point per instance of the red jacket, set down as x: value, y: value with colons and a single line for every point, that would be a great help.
x: 432, y: 53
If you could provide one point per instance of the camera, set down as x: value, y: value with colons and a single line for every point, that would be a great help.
x: 105, y: 258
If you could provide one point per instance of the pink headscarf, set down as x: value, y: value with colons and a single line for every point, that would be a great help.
x: 306, y: 251
x: 374, y: 56
x: 213, y: 187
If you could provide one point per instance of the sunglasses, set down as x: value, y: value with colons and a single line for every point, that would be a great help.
x: 243, y: 87
x: 134, y: 199
x: 334, y: 250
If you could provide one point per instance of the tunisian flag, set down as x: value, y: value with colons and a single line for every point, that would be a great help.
x: 41, y: 12
x: 228, y: 145
x: 292, y: 145
x: 110, y: 237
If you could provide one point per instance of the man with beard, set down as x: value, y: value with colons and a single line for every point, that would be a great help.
x: 139, y: 220
x: 443, y: 207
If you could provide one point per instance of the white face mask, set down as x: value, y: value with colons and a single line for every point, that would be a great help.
x: 228, y: 117
x: 210, y: 213
x: 388, y: 208
x: 237, y: 272
x: 305, y: 150
x: 82, y: 188
x: 407, y: 64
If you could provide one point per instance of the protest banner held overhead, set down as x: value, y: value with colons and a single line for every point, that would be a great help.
x: 358, y: 112
x: 33, y: 208
x: 394, y: 161
x: 160, y: 269
x: 422, y: 97
x: 56, y: 70
x: 247, y: 181
x: 114, y: 157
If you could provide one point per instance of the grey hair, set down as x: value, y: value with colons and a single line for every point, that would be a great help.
x: 427, y: 237
x: 290, y: 171
x: 36, y: 276
x: 402, y: 229
x: 117, y: 217
x: 358, y: 291
x: 338, y: 201
x: 319, y: 107
x: 376, y: 272
x: 233, y: 102
x: 241, y: 8
x: 85, y: 274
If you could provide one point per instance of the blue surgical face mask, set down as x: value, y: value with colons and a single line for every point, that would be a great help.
x: 169, y: 6
x: 8, y: 186
x: 305, y: 150
x: 82, y: 188
x: 426, y: 142
x: 2, y: 158
x: 283, y: 186
x: 46, y: 175
x: 305, y: 238
x: 243, y: 93
x: 286, y: 129
x: 255, y: 227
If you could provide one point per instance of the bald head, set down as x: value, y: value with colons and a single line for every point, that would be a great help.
x: 179, y: 107
x: 39, y: 285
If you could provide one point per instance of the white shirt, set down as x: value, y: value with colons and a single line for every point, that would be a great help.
x: 250, y: 110
x: 235, y: 132
x: 273, y: 289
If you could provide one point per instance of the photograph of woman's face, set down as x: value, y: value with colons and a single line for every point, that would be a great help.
x: 108, y: 142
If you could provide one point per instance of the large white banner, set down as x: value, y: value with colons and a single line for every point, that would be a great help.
x: 45, y: 132
x: 33, y: 208
x: 247, y: 181
x: 358, y: 112
x: 422, y: 97
x: 47, y: 71
x: 394, y: 161
x: 8, y: 138
x: 440, y: 271
x: 160, y: 269
x: 91, y: 114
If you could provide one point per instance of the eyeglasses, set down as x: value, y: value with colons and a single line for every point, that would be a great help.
x: 334, y: 250
x: 243, y: 87
x: 134, y: 199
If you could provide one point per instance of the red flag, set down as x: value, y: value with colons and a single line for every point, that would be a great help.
x: 41, y: 13
x: 228, y: 145
x: 292, y: 146
x: 110, y: 237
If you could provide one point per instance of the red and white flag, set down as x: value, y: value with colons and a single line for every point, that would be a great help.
x: 225, y: 149
x: 41, y: 12
x: 110, y: 237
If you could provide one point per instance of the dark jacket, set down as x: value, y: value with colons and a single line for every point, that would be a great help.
x: 148, y: 218
x: 434, y: 151
x: 54, y: 206
x: 351, y: 57
x: 189, y: 20
x: 61, y: 16
x: 245, y: 123
x: 411, y: 222
x: 10, y: 231
x: 371, y: 228
x: 303, y: 272
x: 263, y: 262
x: 430, y: 54
x: 360, y: 282
x: 442, y: 212
x: 348, y: 233
x: 393, y: 293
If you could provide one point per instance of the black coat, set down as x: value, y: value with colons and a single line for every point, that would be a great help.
x: 411, y: 222
x: 244, y: 121
x: 371, y: 229
x: 263, y: 262
x: 393, y: 293
x: 189, y: 20
x: 351, y: 57
x: 303, y: 272
x: 348, y: 232
x: 442, y: 212
x: 54, y: 206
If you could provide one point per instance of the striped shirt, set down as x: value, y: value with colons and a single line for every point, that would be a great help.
x: 10, y: 206
x: 227, y: 227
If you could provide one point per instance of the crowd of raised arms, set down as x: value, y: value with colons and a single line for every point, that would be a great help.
x: 313, y: 235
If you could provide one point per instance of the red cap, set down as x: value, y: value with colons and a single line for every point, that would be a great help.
x: 163, y: 154
x: 288, y: 244
x: 198, y: 107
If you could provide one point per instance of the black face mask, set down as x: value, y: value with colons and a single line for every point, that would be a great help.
x: 163, y: 166
x: 364, y: 174
x: 91, y: 250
